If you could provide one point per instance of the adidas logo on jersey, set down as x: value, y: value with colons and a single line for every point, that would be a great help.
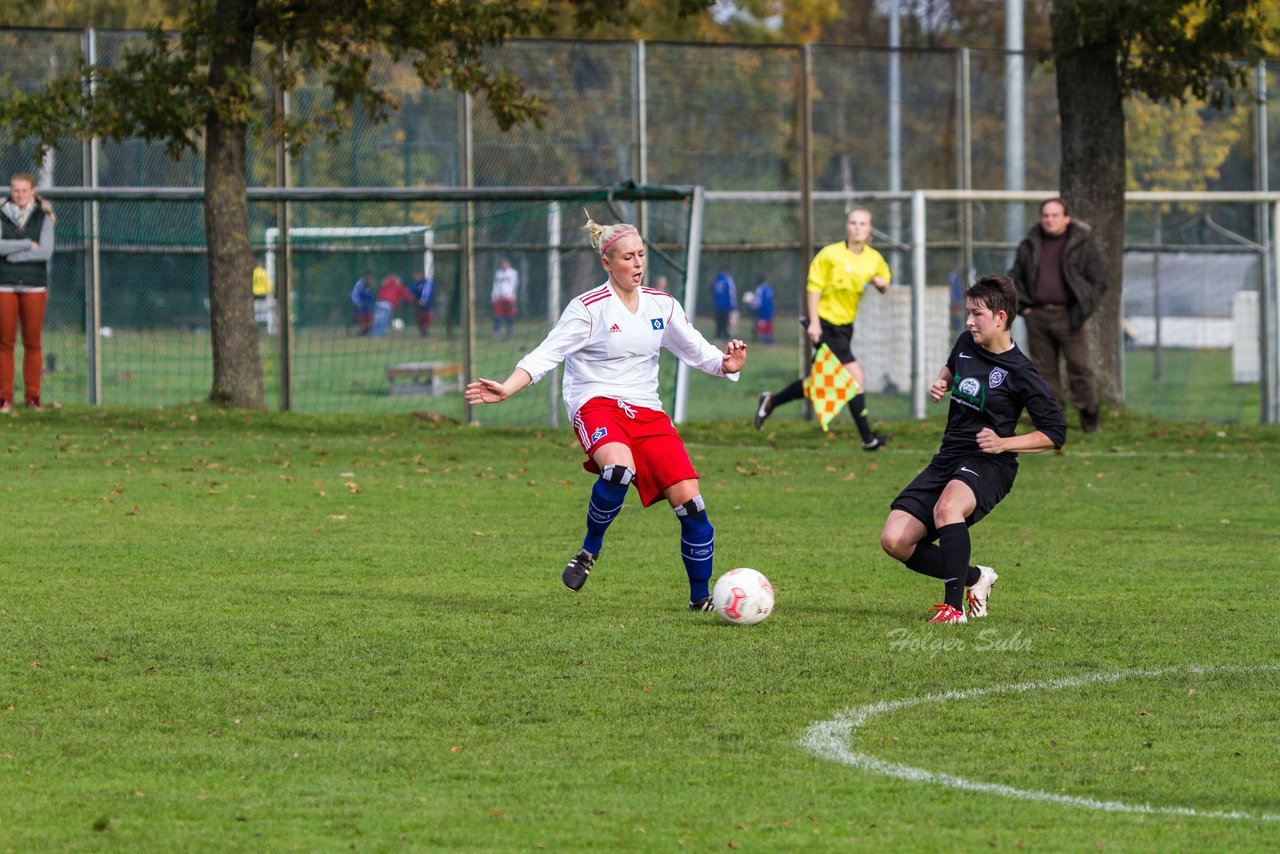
x: 615, y: 328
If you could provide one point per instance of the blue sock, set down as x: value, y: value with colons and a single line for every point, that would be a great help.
x: 607, y: 497
x: 697, y: 546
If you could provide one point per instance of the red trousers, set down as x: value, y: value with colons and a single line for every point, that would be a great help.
x: 27, y: 307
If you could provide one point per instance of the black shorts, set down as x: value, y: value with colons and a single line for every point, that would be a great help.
x: 990, y: 476
x: 839, y: 339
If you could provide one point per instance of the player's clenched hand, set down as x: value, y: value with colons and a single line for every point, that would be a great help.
x: 485, y: 391
x: 990, y: 442
x: 939, y: 389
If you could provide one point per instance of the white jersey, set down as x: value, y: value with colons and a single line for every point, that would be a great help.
x: 610, y: 352
x: 506, y: 282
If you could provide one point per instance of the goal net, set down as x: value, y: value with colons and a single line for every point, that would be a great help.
x: 330, y: 259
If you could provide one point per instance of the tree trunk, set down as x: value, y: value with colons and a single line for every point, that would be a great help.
x: 237, y: 365
x: 1091, y: 111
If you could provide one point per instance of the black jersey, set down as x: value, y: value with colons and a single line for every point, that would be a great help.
x: 992, y: 390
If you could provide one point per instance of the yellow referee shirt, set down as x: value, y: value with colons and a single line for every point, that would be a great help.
x: 261, y: 282
x: 841, y: 277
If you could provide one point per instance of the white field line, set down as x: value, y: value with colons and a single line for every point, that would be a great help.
x: 830, y: 740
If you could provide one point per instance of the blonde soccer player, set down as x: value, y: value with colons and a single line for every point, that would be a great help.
x: 609, y: 340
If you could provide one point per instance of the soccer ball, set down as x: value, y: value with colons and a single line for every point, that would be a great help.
x: 743, y: 596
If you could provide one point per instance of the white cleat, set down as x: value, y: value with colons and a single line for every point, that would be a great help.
x: 980, y: 592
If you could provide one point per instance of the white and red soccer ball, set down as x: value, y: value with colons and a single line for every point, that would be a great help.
x: 743, y: 596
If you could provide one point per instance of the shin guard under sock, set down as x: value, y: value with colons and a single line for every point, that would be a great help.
x: 697, y: 546
x: 858, y: 409
x: 953, y: 540
x: 607, y: 496
x: 927, y: 560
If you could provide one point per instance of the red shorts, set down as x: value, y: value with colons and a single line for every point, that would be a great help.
x: 764, y: 327
x: 661, y: 460
x: 504, y: 307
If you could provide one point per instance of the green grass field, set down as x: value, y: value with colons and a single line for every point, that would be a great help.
x: 265, y: 632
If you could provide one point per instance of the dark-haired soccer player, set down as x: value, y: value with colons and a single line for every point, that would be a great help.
x: 991, y: 383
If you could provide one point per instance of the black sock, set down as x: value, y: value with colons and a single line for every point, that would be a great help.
x: 926, y: 560
x: 953, y: 541
x: 795, y: 391
x: 858, y: 409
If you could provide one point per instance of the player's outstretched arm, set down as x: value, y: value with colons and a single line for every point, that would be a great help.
x: 735, y: 356
x: 492, y: 391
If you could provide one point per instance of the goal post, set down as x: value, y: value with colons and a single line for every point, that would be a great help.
x: 412, y: 242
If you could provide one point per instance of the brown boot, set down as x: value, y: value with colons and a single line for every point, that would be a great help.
x: 1089, y: 421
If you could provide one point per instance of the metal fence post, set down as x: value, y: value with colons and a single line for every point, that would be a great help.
x: 806, y: 201
x: 1270, y: 351
x: 966, y: 162
x: 895, y: 134
x: 466, y: 178
x: 284, y: 259
x: 640, y: 130
x: 693, y: 260
x: 918, y: 236
x: 553, y: 305
x: 1269, y: 385
x: 92, y: 246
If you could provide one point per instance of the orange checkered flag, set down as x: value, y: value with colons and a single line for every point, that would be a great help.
x: 829, y: 386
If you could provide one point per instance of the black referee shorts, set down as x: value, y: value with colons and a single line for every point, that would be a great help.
x: 990, y: 476
x: 839, y: 339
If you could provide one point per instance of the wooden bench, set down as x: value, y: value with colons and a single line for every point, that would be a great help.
x: 425, y: 378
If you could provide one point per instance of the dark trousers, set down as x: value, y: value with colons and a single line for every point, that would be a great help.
x: 1048, y: 336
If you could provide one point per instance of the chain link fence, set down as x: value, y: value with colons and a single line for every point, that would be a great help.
x: 728, y: 118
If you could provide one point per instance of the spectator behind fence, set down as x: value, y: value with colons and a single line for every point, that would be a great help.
x: 762, y: 302
x: 1060, y: 277
x: 26, y: 246
x: 424, y: 295
x: 363, y: 298
x: 724, y: 297
x: 506, y: 287
x: 390, y: 295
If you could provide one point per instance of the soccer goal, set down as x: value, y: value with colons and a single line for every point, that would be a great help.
x: 344, y: 254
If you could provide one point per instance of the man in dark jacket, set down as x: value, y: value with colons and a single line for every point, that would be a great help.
x: 1060, y: 279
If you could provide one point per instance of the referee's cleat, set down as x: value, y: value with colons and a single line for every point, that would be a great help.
x: 980, y: 592
x: 575, y: 574
x: 947, y: 614
x: 763, y: 408
x: 704, y: 604
x: 876, y: 442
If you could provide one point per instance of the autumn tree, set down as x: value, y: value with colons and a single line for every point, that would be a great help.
x: 196, y: 89
x: 1107, y: 50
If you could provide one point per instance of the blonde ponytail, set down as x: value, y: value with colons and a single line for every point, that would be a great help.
x: 603, y: 235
